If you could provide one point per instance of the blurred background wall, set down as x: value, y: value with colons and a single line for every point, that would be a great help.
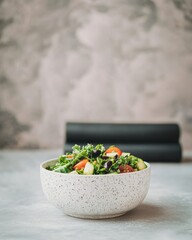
x: 104, y: 61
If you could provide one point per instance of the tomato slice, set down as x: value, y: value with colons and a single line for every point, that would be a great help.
x: 114, y: 149
x: 125, y: 168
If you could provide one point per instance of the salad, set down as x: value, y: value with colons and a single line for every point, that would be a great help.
x: 89, y: 160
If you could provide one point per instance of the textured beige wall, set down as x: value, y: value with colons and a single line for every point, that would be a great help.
x: 116, y: 61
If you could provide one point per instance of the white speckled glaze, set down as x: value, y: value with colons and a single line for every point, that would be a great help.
x: 94, y: 196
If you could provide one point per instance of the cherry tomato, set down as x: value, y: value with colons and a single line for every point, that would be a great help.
x: 125, y: 168
x: 114, y: 149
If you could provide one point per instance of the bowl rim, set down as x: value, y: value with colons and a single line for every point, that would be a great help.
x: 93, y: 175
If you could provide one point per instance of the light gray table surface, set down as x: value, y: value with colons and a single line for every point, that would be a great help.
x: 166, y: 212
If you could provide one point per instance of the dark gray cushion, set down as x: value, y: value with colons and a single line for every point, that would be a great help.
x: 152, y: 142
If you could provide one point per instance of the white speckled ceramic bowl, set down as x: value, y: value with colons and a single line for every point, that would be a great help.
x: 94, y: 196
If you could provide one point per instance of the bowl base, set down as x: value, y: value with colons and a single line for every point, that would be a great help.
x: 97, y: 216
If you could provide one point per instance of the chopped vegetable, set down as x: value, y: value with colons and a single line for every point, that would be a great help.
x: 91, y: 159
x: 126, y: 168
x: 89, y: 169
x: 108, y: 164
x: 124, y: 154
x: 111, y: 154
x: 81, y: 164
x: 114, y: 149
x: 140, y: 164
